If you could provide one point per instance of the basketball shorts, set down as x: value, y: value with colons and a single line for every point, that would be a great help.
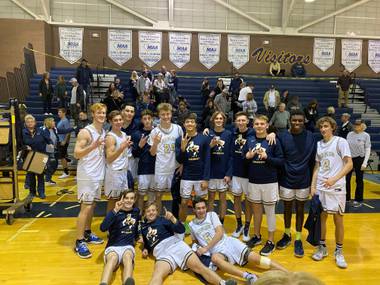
x: 132, y: 166
x: 235, y: 251
x: 163, y: 182
x: 239, y: 185
x: 266, y: 194
x: 115, y: 183
x: 119, y: 250
x: 89, y: 191
x: 187, y: 187
x: 287, y: 194
x: 333, y: 201
x: 217, y: 185
x: 146, y: 182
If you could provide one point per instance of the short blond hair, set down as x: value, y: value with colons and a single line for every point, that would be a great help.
x: 165, y: 107
x: 327, y: 119
x: 97, y: 106
x: 261, y: 117
x: 48, y: 122
x: 276, y: 277
x: 29, y: 117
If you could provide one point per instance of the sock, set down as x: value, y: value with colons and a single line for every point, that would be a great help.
x: 298, y: 235
x: 246, y: 275
x: 66, y: 171
x: 339, y: 246
x: 221, y: 220
x: 87, y: 233
x: 222, y: 282
x: 287, y: 231
x: 239, y: 222
x: 246, y: 225
x: 322, y: 243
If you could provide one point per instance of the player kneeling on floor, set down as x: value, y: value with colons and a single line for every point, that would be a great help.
x: 207, y: 231
x: 122, y: 225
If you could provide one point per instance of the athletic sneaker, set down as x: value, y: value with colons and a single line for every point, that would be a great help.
x: 82, y: 250
x: 239, y: 230
x: 51, y: 183
x: 93, y: 239
x: 251, y: 279
x: 339, y: 259
x: 246, y: 234
x: 267, y: 249
x: 284, y: 242
x: 356, y: 204
x: 298, y: 248
x: 320, y: 253
x: 255, y: 240
x: 230, y: 282
x: 129, y: 281
x: 63, y: 176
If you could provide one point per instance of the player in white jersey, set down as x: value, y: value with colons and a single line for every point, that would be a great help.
x: 89, y: 150
x: 333, y: 162
x: 117, y: 148
x: 208, y: 232
x: 162, y: 141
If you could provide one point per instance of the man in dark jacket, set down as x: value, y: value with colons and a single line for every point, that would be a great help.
x: 84, y: 77
x: 344, y: 82
x: 77, y: 100
x: 346, y: 126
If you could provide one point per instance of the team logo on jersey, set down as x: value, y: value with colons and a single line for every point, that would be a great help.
x: 240, y: 141
x: 152, y: 235
x: 193, y: 150
x: 219, y: 148
x: 325, y: 164
x: 129, y: 223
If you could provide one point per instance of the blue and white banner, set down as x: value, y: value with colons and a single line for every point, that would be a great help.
x: 324, y: 53
x: 179, y: 48
x: 374, y: 55
x: 209, y: 49
x: 70, y: 43
x: 351, y: 53
x: 150, y: 46
x: 120, y: 45
x: 238, y: 50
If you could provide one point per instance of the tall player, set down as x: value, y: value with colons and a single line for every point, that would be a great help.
x: 333, y: 162
x: 117, y: 147
x: 162, y: 141
x: 89, y: 150
x: 299, y: 146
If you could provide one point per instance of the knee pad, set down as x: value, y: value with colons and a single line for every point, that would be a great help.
x: 271, y: 217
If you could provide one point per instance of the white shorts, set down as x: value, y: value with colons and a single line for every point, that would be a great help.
x: 89, y: 191
x: 217, y: 185
x: 115, y: 183
x: 163, y: 182
x: 263, y: 193
x: 187, y: 187
x: 132, y: 166
x: 287, y: 194
x: 119, y: 250
x: 234, y: 250
x: 333, y: 201
x: 146, y: 182
x: 174, y: 251
x: 239, y: 185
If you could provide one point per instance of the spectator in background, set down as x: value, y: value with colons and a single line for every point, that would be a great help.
x: 360, y: 147
x: 234, y: 88
x: 181, y: 113
x: 111, y: 89
x: 132, y: 86
x: 160, y: 89
x: 118, y: 85
x: 331, y: 112
x: 346, y: 126
x: 250, y: 107
x: 207, y: 113
x: 298, y: 69
x: 77, y: 100
x: 285, y: 96
x: 148, y: 72
x: 294, y: 104
x: 344, y: 82
x: 280, y: 119
x: 46, y: 92
x: 63, y: 127
x: 82, y: 122
x: 145, y: 104
x: 244, y: 90
x: 113, y: 101
x: 271, y: 101
x: 275, y: 69
x: 85, y: 77
x: 222, y: 104
x: 218, y: 88
x: 60, y: 92
x: 311, y: 115
x: 52, y: 164
x: 173, y: 85
x: 166, y: 74
x: 205, y: 91
x: 143, y: 84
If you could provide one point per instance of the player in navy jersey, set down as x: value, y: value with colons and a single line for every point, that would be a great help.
x: 264, y: 161
x: 122, y: 225
x: 193, y: 152
x: 141, y: 150
x: 299, y: 146
x: 160, y: 239
x: 221, y: 163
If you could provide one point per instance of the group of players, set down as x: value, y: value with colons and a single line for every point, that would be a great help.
x: 263, y: 166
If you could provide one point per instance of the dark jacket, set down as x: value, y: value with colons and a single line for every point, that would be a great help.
x: 84, y: 76
x: 46, y: 91
x: 112, y: 103
x: 38, y: 141
x: 80, y: 97
x: 313, y: 221
x: 235, y: 85
x: 343, y: 131
x: 344, y: 82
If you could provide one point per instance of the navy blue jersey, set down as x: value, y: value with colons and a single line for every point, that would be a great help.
x: 221, y: 159
x: 146, y: 160
x: 240, y: 165
x: 299, y: 152
x: 158, y: 230
x: 264, y: 171
x: 195, y: 159
x: 122, y: 227
x: 133, y: 127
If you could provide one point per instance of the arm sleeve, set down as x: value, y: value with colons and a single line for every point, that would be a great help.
x: 108, y: 221
x: 178, y: 227
x: 277, y: 158
x: 367, y: 150
x: 206, y: 160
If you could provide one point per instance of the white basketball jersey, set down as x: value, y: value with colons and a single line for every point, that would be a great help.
x: 121, y: 162
x: 204, y: 231
x: 92, y: 165
x: 330, y: 157
x: 165, y: 157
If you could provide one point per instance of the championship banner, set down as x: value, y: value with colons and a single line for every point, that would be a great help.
x: 70, y: 43
x: 150, y: 44
x: 324, y: 53
x: 179, y: 48
x: 120, y: 45
x: 209, y: 49
x: 374, y: 55
x: 238, y: 50
x: 351, y: 53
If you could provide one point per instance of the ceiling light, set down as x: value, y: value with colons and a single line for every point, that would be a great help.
x: 309, y: 1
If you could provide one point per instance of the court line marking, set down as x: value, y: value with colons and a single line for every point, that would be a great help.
x: 40, y: 214
x: 369, y: 206
x: 67, y: 230
x: 22, y: 229
x: 48, y: 215
x: 30, y: 231
x: 72, y: 207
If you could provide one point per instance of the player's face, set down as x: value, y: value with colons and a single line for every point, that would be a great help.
x: 100, y: 115
x: 200, y: 210
x: 166, y: 116
x: 260, y: 126
x: 190, y: 125
x: 147, y: 121
x: 128, y: 201
x: 117, y: 122
x: 219, y: 121
x: 128, y: 113
x: 241, y: 122
x: 151, y: 213
x: 326, y: 129
x: 297, y: 123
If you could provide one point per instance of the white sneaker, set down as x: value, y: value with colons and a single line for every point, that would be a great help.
x: 46, y: 114
x: 339, y: 259
x: 50, y: 113
x: 246, y: 236
x: 238, y: 232
x: 63, y: 176
x: 251, y: 279
x: 320, y: 253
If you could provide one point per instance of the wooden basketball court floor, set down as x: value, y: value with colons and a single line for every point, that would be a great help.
x: 39, y: 249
